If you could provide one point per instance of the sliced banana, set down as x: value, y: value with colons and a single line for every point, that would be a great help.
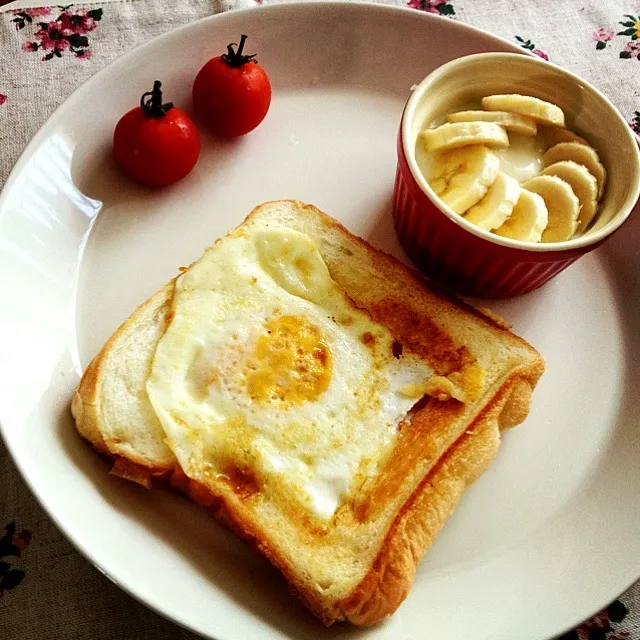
x: 462, y: 177
x: 581, y: 154
x: 497, y: 205
x: 527, y: 220
x: 510, y: 121
x: 552, y: 136
x: 462, y: 134
x: 584, y: 185
x: 562, y: 203
x: 529, y: 106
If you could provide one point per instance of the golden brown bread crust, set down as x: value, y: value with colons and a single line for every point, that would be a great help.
x: 82, y: 403
x: 413, y: 531
x: 415, y: 527
x: 416, y: 524
x: 128, y: 470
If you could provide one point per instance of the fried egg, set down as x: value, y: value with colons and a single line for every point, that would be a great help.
x: 266, y: 365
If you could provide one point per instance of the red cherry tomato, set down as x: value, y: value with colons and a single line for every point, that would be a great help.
x: 156, y: 144
x: 232, y: 93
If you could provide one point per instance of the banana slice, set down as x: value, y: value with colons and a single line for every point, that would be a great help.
x: 462, y: 134
x: 497, y: 205
x: 582, y: 154
x: 563, y: 206
x: 552, y: 136
x: 461, y: 177
x: 529, y: 106
x: 584, y: 185
x: 527, y: 220
x: 510, y: 121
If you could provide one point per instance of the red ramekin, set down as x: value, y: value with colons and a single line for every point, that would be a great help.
x: 470, y: 260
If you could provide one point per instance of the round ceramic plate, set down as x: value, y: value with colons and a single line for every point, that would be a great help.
x: 547, y: 536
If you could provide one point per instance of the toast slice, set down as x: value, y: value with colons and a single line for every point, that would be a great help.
x: 360, y: 564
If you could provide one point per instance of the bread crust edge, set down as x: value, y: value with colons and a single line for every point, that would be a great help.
x: 411, y: 533
x: 414, y: 529
x: 392, y: 573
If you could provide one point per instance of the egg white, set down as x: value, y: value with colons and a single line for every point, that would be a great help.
x: 313, y: 453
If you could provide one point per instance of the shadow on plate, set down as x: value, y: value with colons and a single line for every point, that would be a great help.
x: 620, y: 260
x: 380, y: 232
x: 215, y: 553
x: 96, y: 175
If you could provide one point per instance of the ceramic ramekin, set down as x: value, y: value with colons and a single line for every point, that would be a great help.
x: 459, y: 254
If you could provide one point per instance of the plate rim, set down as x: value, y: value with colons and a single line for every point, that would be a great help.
x: 285, y: 8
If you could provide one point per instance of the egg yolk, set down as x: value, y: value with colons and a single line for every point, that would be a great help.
x: 291, y: 364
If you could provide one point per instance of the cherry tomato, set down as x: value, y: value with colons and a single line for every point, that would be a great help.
x: 156, y: 144
x: 232, y: 93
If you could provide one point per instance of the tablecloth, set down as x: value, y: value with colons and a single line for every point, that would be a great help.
x: 47, y: 590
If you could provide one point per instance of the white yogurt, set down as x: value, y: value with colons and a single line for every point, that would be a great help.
x: 522, y: 159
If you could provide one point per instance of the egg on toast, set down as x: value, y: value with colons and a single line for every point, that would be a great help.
x: 317, y: 396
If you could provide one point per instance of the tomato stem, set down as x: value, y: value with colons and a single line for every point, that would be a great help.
x: 151, y: 102
x: 237, y: 58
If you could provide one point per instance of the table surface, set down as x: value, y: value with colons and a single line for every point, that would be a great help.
x: 47, y: 590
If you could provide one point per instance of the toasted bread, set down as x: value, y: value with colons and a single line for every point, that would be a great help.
x: 360, y: 567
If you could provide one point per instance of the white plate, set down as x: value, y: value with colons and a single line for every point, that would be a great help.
x: 546, y: 537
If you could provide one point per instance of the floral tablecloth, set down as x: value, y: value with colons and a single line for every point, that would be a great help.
x: 47, y: 590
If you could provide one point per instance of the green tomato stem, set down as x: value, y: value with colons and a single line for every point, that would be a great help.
x: 237, y: 58
x: 151, y: 102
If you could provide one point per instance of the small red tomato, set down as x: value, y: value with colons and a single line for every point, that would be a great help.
x: 156, y: 144
x: 232, y: 93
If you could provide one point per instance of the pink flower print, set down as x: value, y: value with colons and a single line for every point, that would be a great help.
x: 23, y: 17
x: 423, y: 5
x: 35, y: 12
x: 631, y: 50
x: 601, y: 37
x: 87, y: 24
x: 75, y: 23
x: 66, y: 33
x: 52, y: 38
x: 529, y: 46
x: 3, y: 99
x: 22, y: 539
x: 602, y: 624
x: 440, y: 7
x: 85, y: 54
x: 66, y: 23
x: 12, y: 545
